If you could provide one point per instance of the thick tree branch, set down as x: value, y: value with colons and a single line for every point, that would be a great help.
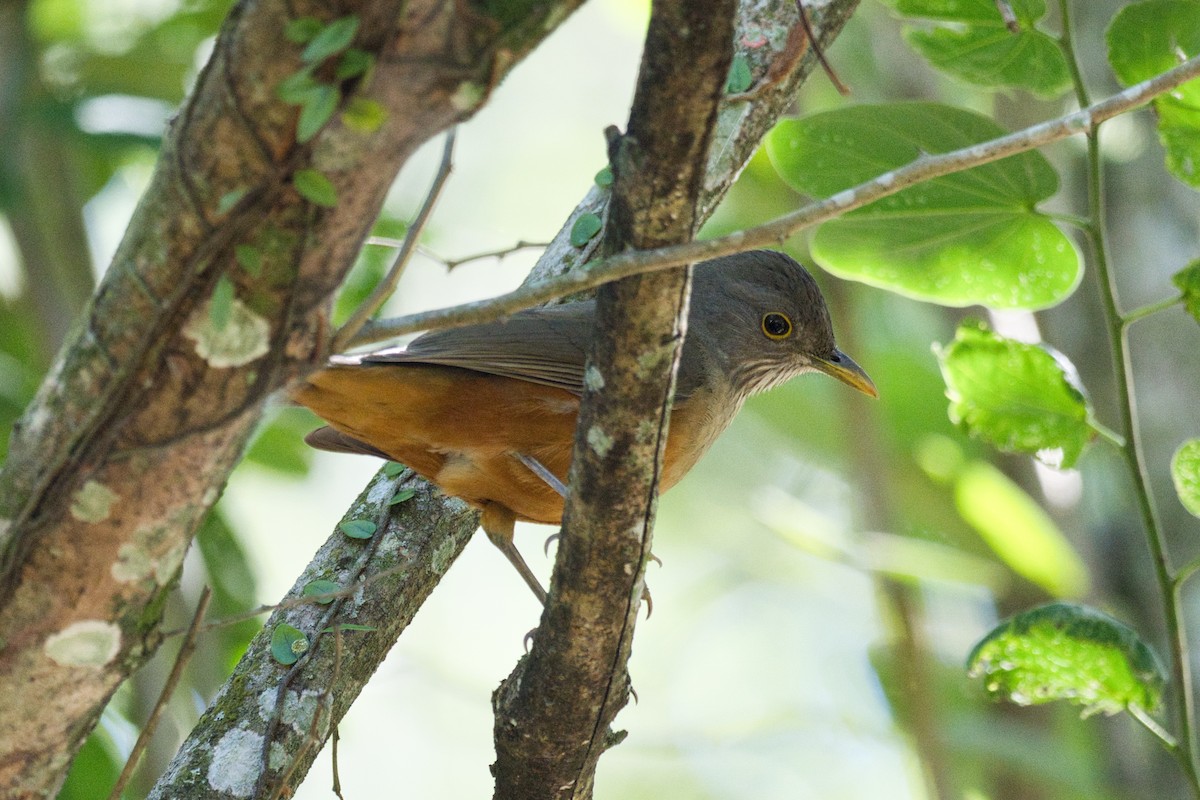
x: 578, y: 277
x: 553, y: 713
x: 147, y: 409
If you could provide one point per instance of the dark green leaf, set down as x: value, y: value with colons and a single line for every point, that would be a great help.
x: 585, y: 228
x: 358, y: 528
x: 1019, y: 397
x: 740, y: 77
x: 1185, y: 471
x: 1146, y: 39
x: 970, y: 237
x: 318, y: 107
x: 315, y: 187
x: 321, y: 587
x: 354, y: 62
x: 1069, y: 652
x: 221, y: 307
x: 604, y: 177
x: 1188, y: 281
x: 302, y: 30
x: 363, y: 115
x: 230, y: 199
x: 295, y: 88
x: 331, y: 40
x: 393, y: 468
x: 288, y: 644
x: 250, y: 258
x: 402, y: 496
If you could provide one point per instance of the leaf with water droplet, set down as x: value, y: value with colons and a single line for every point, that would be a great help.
x: 1064, y: 651
x: 1022, y: 398
x: 971, y: 237
x: 288, y: 643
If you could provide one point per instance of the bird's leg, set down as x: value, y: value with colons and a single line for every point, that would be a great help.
x: 539, y: 469
x: 498, y: 522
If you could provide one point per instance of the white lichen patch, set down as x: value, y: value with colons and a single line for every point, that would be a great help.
x: 242, y: 338
x: 593, y: 380
x: 87, y: 643
x: 236, y: 760
x: 92, y: 502
x: 599, y: 441
x: 132, y: 564
x: 381, y: 491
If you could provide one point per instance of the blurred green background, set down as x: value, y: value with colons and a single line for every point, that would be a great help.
x: 820, y: 585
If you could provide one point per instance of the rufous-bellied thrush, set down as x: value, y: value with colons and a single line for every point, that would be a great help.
x: 487, y: 412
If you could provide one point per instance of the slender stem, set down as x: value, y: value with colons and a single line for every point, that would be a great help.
x: 1149, y: 723
x: 168, y: 691
x: 1131, y: 451
x: 1131, y: 317
x: 384, y: 290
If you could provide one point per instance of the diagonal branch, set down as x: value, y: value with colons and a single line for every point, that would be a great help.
x: 622, y: 265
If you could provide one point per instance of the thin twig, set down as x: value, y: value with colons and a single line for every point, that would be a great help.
x: 842, y: 88
x: 501, y: 254
x: 1130, y: 317
x: 386, y: 286
x: 1151, y: 724
x: 628, y: 263
x: 186, y: 648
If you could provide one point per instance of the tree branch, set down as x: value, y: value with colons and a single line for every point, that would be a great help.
x: 553, y: 713
x: 578, y: 278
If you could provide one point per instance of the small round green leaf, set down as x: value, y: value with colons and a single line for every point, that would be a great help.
x: 363, y: 115
x: 318, y: 107
x: 295, y: 88
x: 971, y: 237
x: 321, y: 587
x: 1063, y: 651
x: 354, y: 62
x: 402, y: 496
x: 302, y: 30
x: 1146, y: 39
x: 358, y: 528
x: 288, y: 644
x: 315, y: 187
x: 585, y: 228
x: 393, y: 468
x: 1185, y: 471
x: 740, y: 77
x: 230, y: 199
x: 604, y: 178
x: 1019, y: 397
x: 1188, y: 282
x: 330, y: 40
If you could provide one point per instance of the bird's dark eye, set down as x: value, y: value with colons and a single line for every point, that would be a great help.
x: 776, y: 325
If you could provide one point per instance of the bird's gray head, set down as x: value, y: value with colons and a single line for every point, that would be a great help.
x: 762, y: 316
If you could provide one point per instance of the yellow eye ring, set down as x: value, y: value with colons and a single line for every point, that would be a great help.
x: 776, y: 326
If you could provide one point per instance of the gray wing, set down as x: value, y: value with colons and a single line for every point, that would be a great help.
x: 543, y: 345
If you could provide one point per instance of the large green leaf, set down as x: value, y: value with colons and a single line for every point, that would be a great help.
x: 1149, y: 38
x: 970, y: 237
x: 980, y: 48
x: 1019, y: 397
x: 1063, y: 651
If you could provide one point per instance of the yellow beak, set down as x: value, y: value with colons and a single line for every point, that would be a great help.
x: 843, y: 367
